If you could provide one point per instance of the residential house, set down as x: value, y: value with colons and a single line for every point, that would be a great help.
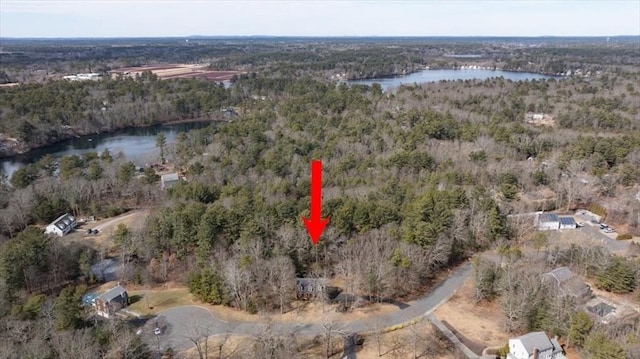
x: 535, y: 345
x: 547, y: 221
x: 567, y: 284
x: 307, y: 288
x: 62, y: 225
x: 169, y: 180
x: 111, y: 301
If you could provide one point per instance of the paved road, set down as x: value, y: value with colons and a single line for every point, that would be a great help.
x: 180, y: 323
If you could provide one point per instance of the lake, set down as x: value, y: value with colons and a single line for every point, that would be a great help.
x: 137, y: 144
x: 451, y: 75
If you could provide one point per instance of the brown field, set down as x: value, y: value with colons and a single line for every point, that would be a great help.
x: 173, y: 71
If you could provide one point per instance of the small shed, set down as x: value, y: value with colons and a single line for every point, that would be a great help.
x: 169, y: 180
x: 567, y: 223
x: 547, y: 221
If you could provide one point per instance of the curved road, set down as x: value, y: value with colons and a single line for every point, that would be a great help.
x: 179, y: 324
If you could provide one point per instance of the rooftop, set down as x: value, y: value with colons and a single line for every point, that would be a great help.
x: 567, y: 221
x: 112, y: 293
x: 170, y: 177
x: 63, y: 221
x: 535, y: 340
x: 561, y: 274
x: 602, y: 309
x: 548, y: 217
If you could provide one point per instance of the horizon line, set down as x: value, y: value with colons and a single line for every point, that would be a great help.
x: 306, y: 36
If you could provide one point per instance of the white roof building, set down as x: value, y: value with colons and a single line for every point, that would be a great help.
x: 169, y: 180
x: 535, y: 345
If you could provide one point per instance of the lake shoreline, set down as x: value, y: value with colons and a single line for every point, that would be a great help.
x: 11, y: 147
x: 459, y: 68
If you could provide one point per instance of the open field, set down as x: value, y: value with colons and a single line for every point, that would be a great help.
x: 173, y: 71
x: 479, y: 324
x: 149, y: 302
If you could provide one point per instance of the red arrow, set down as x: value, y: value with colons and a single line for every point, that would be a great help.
x: 315, y: 224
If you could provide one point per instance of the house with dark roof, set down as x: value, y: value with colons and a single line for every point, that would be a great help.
x: 62, y: 225
x: 111, y: 301
x: 567, y: 223
x: 547, y: 221
x: 535, y: 345
x: 566, y: 283
x: 307, y: 288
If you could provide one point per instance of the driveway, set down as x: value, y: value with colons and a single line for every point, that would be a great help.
x: 180, y: 324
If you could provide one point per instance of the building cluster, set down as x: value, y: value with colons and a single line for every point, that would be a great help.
x: 551, y: 221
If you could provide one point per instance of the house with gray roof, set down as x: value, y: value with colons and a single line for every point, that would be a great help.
x: 307, y: 288
x: 169, y: 180
x: 62, y: 225
x: 535, y: 345
x: 566, y: 283
x: 111, y: 301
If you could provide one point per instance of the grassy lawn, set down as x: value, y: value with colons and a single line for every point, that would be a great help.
x: 159, y: 300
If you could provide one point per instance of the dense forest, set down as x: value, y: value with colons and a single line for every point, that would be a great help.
x: 416, y: 181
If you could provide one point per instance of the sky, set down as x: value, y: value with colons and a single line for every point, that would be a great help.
x: 147, y: 18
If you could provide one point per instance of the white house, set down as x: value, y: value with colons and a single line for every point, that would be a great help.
x: 547, y: 221
x: 535, y: 345
x: 62, y: 225
x: 169, y: 180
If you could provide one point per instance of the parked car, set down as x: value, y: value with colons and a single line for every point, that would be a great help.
x: 579, y: 224
x: 603, y: 226
x: 157, y: 331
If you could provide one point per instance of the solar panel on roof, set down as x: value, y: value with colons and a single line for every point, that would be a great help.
x: 567, y: 221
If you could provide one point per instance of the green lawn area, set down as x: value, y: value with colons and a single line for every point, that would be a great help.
x: 159, y: 300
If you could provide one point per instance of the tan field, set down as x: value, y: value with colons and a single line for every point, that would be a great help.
x: 173, y: 71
